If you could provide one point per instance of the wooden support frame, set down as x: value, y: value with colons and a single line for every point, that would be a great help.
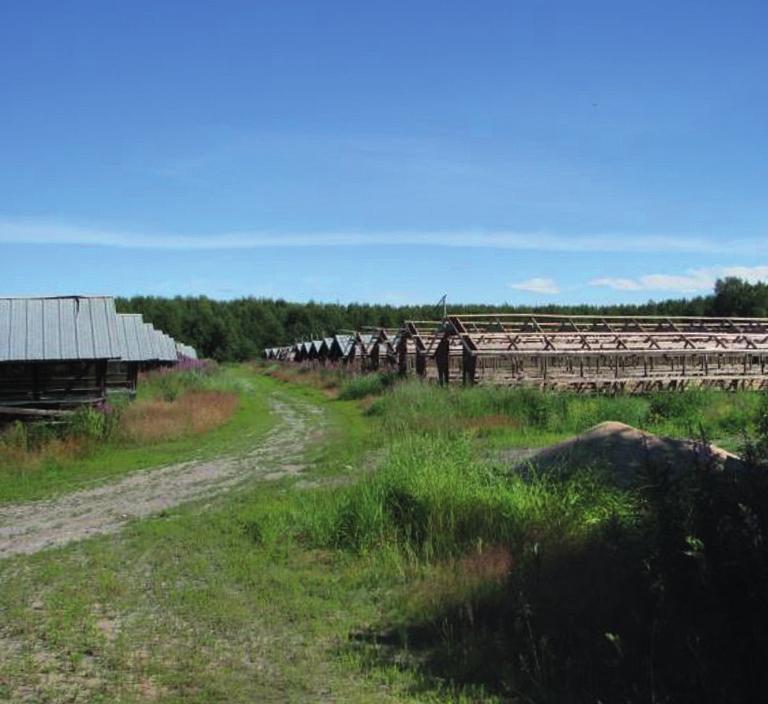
x: 582, y: 353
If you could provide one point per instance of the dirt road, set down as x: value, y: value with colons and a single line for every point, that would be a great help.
x: 29, y: 527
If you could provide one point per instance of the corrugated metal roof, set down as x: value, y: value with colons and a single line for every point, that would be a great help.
x: 51, y: 329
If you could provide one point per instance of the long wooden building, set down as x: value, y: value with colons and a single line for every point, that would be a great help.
x: 630, y: 354
x: 66, y: 351
x: 606, y: 353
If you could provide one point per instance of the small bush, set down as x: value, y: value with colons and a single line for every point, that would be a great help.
x: 94, y: 423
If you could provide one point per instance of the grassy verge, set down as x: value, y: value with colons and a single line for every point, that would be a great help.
x: 167, y: 407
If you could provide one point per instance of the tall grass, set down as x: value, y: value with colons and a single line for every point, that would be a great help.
x: 416, y: 406
x: 366, y: 385
x: 189, y: 414
x: 433, y: 498
x: 170, y: 405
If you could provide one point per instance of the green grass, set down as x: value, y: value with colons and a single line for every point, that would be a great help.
x: 110, y: 459
x: 220, y: 605
x: 433, y: 499
x: 532, y: 418
x: 367, y: 385
x: 403, y: 565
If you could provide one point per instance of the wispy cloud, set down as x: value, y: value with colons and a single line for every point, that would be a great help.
x: 25, y: 231
x: 537, y: 285
x: 691, y: 281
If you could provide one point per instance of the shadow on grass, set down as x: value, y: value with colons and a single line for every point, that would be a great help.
x: 670, y: 608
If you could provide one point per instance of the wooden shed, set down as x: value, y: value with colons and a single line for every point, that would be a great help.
x: 188, y: 352
x: 135, y: 352
x: 163, y: 349
x: 338, y: 350
x: 54, y: 351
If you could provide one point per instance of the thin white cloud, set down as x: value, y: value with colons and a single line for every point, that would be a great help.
x: 27, y: 231
x: 692, y: 281
x: 617, y: 284
x: 537, y: 285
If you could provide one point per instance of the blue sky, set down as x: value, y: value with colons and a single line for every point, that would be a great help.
x: 528, y: 152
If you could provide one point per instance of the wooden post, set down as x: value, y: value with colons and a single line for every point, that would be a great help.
x: 468, y: 367
x: 101, y: 377
x: 442, y: 359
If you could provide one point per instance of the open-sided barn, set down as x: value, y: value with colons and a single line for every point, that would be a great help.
x: 417, y: 344
x: 609, y: 353
x: 580, y: 353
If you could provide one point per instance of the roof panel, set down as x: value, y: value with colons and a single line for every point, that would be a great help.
x: 169, y: 348
x: 104, y: 326
x: 51, y: 329
x: 130, y: 333
x: 130, y: 325
x: 5, y: 328
x: 152, y: 341
x: 84, y: 329
x: 142, y: 335
x: 18, y: 341
x: 67, y: 333
x: 35, y: 330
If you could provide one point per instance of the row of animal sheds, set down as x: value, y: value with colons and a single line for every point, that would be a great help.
x: 356, y: 351
x: 578, y: 353
x: 59, y: 352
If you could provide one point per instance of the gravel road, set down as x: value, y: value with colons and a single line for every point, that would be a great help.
x: 33, y: 526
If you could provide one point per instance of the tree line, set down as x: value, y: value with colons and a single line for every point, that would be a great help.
x: 240, y: 329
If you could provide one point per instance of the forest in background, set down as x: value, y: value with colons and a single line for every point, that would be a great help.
x: 240, y: 329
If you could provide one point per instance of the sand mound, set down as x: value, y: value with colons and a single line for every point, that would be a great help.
x: 624, y: 451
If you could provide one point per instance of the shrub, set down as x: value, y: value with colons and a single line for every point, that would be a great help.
x: 94, y: 423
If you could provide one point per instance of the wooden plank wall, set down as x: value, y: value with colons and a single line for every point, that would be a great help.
x: 46, y: 384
